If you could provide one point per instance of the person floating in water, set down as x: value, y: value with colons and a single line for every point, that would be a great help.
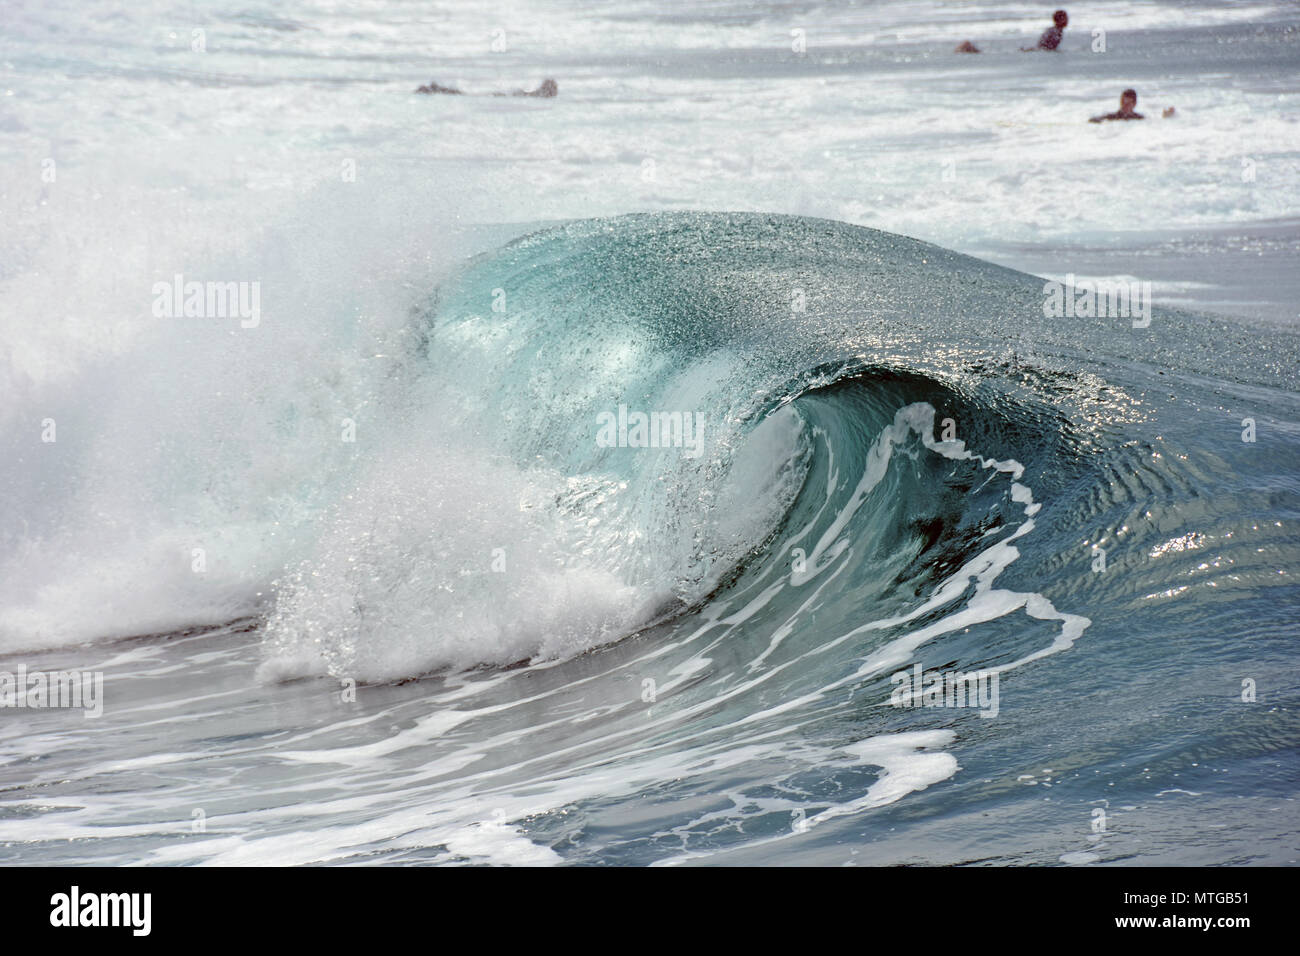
x: 1128, y: 101
x: 548, y: 89
x: 438, y: 88
x: 966, y: 47
x: 1051, y: 37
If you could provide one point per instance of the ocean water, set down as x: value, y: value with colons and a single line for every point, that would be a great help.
x: 364, y: 580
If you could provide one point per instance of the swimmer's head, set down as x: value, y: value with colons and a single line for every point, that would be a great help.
x: 1060, y: 19
x: 1128, y: 100
x: 548, y: 88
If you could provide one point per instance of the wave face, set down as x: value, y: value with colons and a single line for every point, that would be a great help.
x: 495, y: 523
x: 888, y: 459
x: 812, y: 360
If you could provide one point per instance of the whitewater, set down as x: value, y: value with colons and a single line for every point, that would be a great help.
x: 570, y: 481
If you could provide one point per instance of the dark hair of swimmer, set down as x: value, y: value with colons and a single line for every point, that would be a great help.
x: 1061, y: 19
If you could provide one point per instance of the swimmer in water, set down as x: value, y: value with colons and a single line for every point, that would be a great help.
x: 966, y: 47
x: 1051, y: 38
x: 548, y: 89
x: 1128, y: 101
x: 438, y: 88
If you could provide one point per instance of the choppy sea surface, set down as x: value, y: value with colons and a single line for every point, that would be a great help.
x: 363, y: 579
